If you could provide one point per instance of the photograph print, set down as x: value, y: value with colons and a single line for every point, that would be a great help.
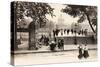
x: 46, y: 33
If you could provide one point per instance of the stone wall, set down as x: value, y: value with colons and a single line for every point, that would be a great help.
x: 71, y: 40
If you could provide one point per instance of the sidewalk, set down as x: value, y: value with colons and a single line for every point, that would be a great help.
x: 45, y: 49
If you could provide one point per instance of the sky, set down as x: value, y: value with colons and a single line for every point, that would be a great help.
x: 60, y: 15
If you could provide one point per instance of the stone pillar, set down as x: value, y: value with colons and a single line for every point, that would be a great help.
x: 32, y: 37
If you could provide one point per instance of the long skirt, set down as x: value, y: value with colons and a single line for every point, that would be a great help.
x: 80, y: 54
x: 86, y: 54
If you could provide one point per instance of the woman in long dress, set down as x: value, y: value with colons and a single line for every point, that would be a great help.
x: 80, y: 51
x: 86, y: 54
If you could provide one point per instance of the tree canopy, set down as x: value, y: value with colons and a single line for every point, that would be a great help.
x: 83, y: 12
x: 37, y: 11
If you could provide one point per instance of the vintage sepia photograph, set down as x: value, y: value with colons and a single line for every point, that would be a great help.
x: 48, y: 33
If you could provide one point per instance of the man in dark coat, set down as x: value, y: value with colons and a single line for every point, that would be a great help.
x: 59, y: 43
x: 62, y: 44
x: 68, y: 31
x: 52, y: 46
x: 47, y: 41
x: 54, y: 33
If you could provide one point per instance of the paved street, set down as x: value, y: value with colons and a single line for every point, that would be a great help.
x: 47, y: 48
x: 56, y: 57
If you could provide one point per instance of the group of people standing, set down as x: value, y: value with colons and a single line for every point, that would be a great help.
x: 64, y: 31
x: 59, y: 45
x: 44, y: 40
x: 53, y: 44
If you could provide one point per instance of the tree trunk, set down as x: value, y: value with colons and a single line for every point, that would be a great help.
x: 90, y: 23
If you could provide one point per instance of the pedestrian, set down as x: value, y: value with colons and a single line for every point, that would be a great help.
x: 85, y: 54
x: 41, y: 40
x: 79, y: 32
x: 54, y: 33
x: 64, y: 31
x: 59, y: 43
x: 85, y: 32
x: 47, y: 41
x: 62, y: 44
x: 68, y: 31
x: 80, y: 51
x: 72, y: 31
x: 52, y: 46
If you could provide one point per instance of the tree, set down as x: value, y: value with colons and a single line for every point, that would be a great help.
x: 83, y: 12
x: 37, y: 11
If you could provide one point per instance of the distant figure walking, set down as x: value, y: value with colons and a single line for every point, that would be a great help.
x: 61, y: 44
x: 68, y: 31
x: 72, y: 31
x: 64, y: 31
x: 57, y: 32
x: 61, y: 32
